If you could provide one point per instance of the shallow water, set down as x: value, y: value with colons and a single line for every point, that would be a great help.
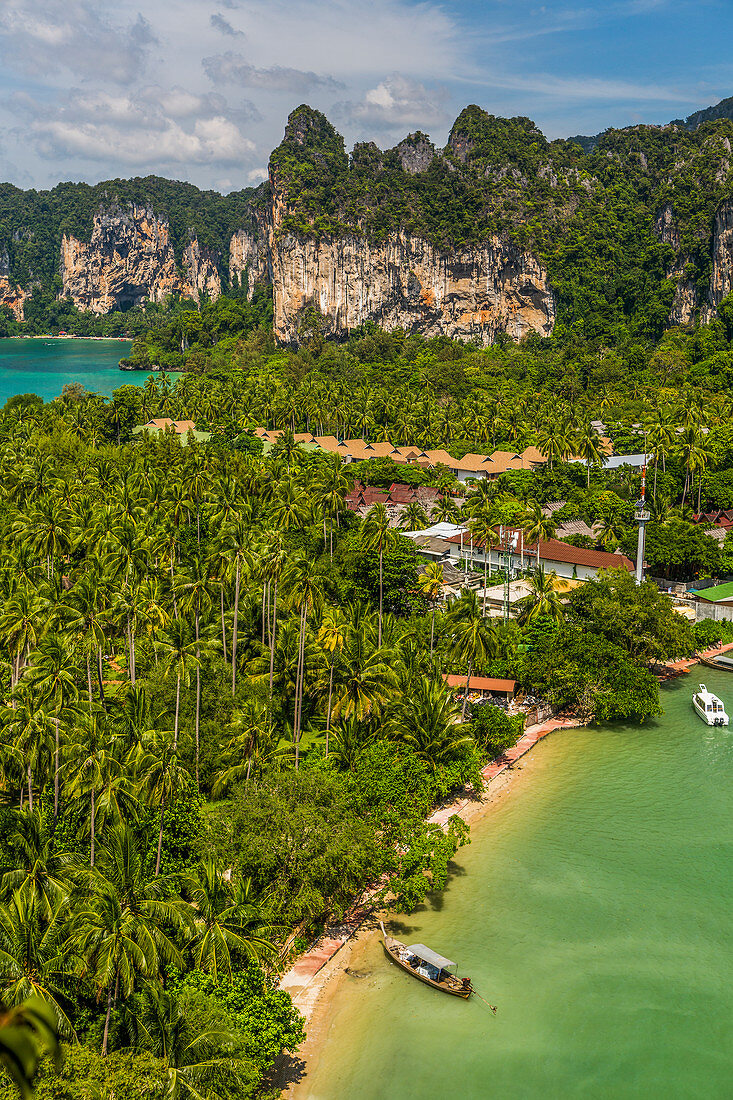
x: 594, y: 907
x: 44, y: 366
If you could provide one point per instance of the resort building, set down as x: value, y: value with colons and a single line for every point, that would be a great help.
x: 571, y: 562
x: 177, y: 427
x: 476, y: 466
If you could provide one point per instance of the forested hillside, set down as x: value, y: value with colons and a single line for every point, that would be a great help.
x: 625, y: 234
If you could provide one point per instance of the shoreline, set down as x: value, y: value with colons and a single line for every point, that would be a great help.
x: 316, y: 977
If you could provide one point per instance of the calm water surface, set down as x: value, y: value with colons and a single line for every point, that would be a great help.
x: 43, y: 366
x: 595, y: 908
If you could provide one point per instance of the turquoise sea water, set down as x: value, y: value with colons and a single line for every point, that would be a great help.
x: 594, y: 907
x: 42, y: 366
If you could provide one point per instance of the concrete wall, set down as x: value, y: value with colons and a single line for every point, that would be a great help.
x: 717, y: 611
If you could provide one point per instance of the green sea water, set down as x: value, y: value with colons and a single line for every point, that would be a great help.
x: 594, y: 907
x: 43, y: 366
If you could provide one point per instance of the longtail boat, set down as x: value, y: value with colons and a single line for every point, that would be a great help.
x: 427, y: 966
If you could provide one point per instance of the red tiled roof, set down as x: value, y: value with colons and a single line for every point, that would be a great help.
x: 480, y: 683
x: 555, y: 550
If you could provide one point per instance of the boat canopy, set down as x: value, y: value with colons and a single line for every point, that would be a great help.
x: 429, y: 956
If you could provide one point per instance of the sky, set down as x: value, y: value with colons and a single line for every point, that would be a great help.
x: 200, y: 90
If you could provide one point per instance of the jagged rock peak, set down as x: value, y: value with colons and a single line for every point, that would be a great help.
x: 476, y: 135
x: 416, y: 153
x: 309, y: 128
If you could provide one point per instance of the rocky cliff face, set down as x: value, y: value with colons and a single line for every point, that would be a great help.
x: 686, y: 305
x: 12, y: 297
x: 406, y: 283
x: 721, y: 280
x: 130, y: 258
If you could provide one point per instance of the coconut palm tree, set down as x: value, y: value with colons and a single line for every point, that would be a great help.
x: 428, y: 723
x: 229, y: 922
x: 542, y: 598
x: 589, y: 445
x: 431, y: 585
x: 473, y: 638
x: 41, y: 866
x: 52, y: 679
x: 121, y: 931
x: 181, y: 655
x: 160, y: 776
x: 413, y: 517
x: 376, y: 534
x: 35, y: 956
x: 537, y: 526
x: 331, y: 638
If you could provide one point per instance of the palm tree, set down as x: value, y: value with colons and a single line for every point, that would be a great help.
x: 35, y: 960
x: 154, y: 762
x: 589, y: 446
x: 413, y: 517
x: 542, y: 598
x: 235, y: 541
x: 40, y: 867
x: 445, y: 510
x: 229, y: 921
x: 431, y: 585
x: 473, y: 637
x: 428, y: 722
x: 306, y: 584
x: 376, y: 534
x: 180, y: 657
x: 331, y: 638
x: 252, y: 730
x: 483, y: 530
x: 52, y: 677
x: 195, y: 592
x: 366, y: 677
x: 120, y: 931
x: 198, y: 1063
x: 351, y: 737
x: 27, y: 1032
x: 537, y: 526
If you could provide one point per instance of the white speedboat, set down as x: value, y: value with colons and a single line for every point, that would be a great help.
x: 709, y: 707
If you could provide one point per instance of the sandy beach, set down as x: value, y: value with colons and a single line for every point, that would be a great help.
x: 317, y: 1001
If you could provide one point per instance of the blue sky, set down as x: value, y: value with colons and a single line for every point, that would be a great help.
x: 200, y: 89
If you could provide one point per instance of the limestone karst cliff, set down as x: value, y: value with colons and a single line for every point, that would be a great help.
x: 130, y: 258
x: 500, y: 231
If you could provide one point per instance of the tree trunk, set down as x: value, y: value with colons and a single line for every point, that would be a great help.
x: 272, y: 636
x: 223, y: 624
x: 483, y: 604
x: 89, y: 678
x: 106, y: 1021
x: 298, y: 687
x: 56, y: 764
x: 99, y: 674
x: 30, y: 789
x: 235, y: 626
x: 432, y: 628
x: 330, y: 697
x: 173, y: 587
x: 381, y: 591
x: 160, y: 838
x: 198, y: 694
x: 465, y: 697
x: 93, y: 825
x: 178, y: 707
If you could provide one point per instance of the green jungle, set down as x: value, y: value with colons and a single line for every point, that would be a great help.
x: 224, y: 713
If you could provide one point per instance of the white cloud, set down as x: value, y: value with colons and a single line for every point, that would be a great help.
x: 42, y: 37
x: 219, y: 23
x: 151, y: 129
x: 233, y: 68
x: 396, y: 102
